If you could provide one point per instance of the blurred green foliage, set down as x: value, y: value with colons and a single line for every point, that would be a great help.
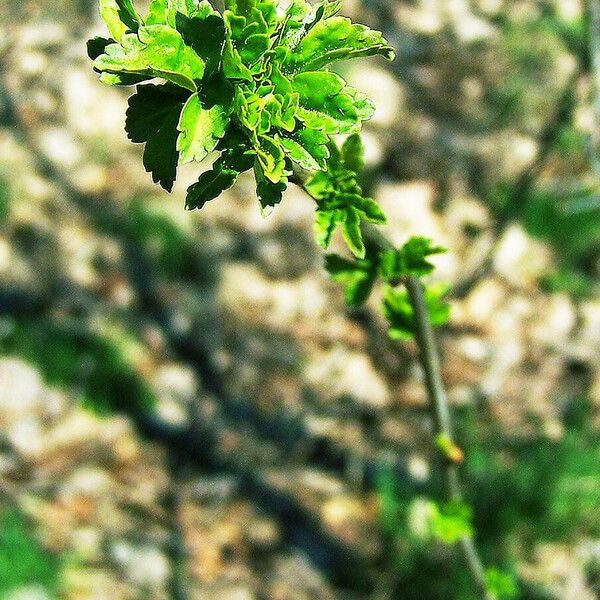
x: 23, y: 561
x: 539, y: 490
x: 163, y: 240
x: 4, y: 198
x: 568, y: 221
x: 98, y: 367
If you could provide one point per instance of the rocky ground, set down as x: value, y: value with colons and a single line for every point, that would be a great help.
x: 276, y: 407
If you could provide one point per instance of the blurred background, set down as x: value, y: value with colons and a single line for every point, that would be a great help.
x: 187, y: 408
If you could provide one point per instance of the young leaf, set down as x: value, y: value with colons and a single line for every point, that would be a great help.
x: 452, y: 521
x: 236, y: 157
x: 210, y: 185
x: 152, y: 118
x: 157, y: 13
x: 399, y: 313
x: 269, y: 193
x: 155, y: 51
x: 358, y: 276
x: 120, y: 17
x: 353, y: 153
x: 206, y: 35
x: 233, y: 67
x: 352, y: 234
x: 201, y: 129
x: 308, y: 148
x: 335, y: 39
x: 369, y: 210
x: 327, y: 103
x: 271, y: 158
x: 411, y: 259
x: 95, y: 47
x: 326, y: 222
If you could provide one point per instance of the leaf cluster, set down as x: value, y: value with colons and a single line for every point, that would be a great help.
x: 249, y: 84
x: 339, y: 197
x: 392, y: 266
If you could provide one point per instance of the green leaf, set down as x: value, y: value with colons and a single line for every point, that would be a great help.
x: 327, y: 103
x: 399, y: 313
x: 269, y: 193
x: 353, y: 153
x: 201, y: 129
x: 358, y: 276
x: 411, y: 259
x: 320, y: 186
x: 152, y: 117
x: 210, y: 185
x: 120, y: 17
x: 248, y: 34
x: 370, y: 210
x: 326, y: 222
x: 271, y: 158
x: 233, y: 67
x: 96, y: 47
x: 451, y: 521
x: 240, y: 7
x: 308, y: 148
x: 334, y: 39
x: 236, y: 157
x: 502, y: 584
x: 157, y: 13
x: 358, y: 291
x: 340, y: 268
x: 197, y: 8
x: 165, y: 12
x: 155, y: 51
x: 352, y: 234
x: 206, y: 35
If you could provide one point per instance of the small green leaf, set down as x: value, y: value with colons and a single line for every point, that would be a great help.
x: 352, y: 233
x: 327, y: 103
x: 209, y: 186
x: 120, y: 17
x: 502, y: 584
x: 326, y: 222
x: 340, y: 268
x: 399, y: 313
x: 165, y: 12
x: 236, y: 157
x: 308, y: 148
x: 320, y: 186
x: 157, y: 13
x: 201, y: 129
x: 155, y: 51
x: 152, y: 118
x: 271, y: 158
x: 370, y: 210
x: 269, y: 193
x: 411, y: 259
x: 233, y: 67
x: 336, y: 39
x: 95, y: 47
x: 452, y: 521
x: 353, y: 153
x: 358, y: 277
x: 206, y: 35
x: 240, y: 7
x: 358, y: 291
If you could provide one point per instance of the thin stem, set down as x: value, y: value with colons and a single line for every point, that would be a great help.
x: 440, y: 412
